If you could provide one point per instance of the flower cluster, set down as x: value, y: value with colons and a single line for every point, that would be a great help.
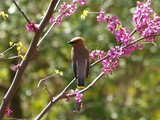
x: 66, y: 10
x: 123, y: 36
x: 32, y: 27
x: 15, y: 67
x: 8, y: 112
x: 111, y: 62
x: 145, y: 26
x: 78, y: 96
x: 81, y: 2
x: 100, y: 17
x: 78, y: 99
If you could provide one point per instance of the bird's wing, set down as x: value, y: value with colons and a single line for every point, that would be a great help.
x: 74, y: 66
x: 87, y: 67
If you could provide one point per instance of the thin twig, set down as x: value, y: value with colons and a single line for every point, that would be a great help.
x: 98, y: 61
x: 44, y: 79
x: 93, y: 12
x: 54, y: 100
x: 69, y: 85
x: 21, y: 11
x: 93, y: 82
x: 45, y: 86
x: 8, y: 49
x: 133, y: 32
x: 64, y: 95
x: 32, y: 48
x: 53, y: 24
x: 57, y: 5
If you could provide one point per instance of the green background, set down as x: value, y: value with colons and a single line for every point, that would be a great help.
x: 131, y: 93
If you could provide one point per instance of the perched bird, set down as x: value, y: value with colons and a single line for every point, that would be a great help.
x: 80, y: 60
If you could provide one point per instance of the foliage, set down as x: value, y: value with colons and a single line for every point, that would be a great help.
x: 131, y: 92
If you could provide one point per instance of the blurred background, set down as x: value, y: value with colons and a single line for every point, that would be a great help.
x: 131, y: 93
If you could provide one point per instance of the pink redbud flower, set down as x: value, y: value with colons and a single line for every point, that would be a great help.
x: 82, y: 2
x: 78, y: 95
x: 100, y: 17
x: 8, y: 112
x: 32, y: 27
x: 141, y: 16
x: 15, y: 67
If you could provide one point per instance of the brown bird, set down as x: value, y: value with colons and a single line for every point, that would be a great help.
x: 80, y: 60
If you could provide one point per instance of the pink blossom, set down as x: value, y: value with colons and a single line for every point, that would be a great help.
x: 78, y: 95
x: 111, y: 62
x: 145, y: 26
x: 58, y: 21
x: 115, y: 53
x: 123, y: 36
x: 52, y: 20
x: 82, y: 2
x: 152, y: 29
x: 97, y: 53
x: 71, y: 9
x: 8, y: 112
x: 68, y: 99
x: 141, y: 16
x: 128, y: 50
x: 67, y: 9
x: 15, y: 67
x: 113, y: 24
x: 78, y: 99
x: 107, y: 19
x: 63, y: 8
x: 32, y: 27
x: 100, y: 17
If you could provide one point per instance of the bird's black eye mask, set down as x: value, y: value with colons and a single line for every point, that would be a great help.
x: 72, y: 42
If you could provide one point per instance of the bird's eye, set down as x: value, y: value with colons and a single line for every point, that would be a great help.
x: 72, y: 42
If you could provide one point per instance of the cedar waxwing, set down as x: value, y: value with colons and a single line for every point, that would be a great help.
x: 80, y: 60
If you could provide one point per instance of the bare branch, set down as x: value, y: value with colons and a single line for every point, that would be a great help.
x: 44, y: 79
x: 93, y: 82
x: 63, y: 95
x: 31, y: 50
x: 21, y: 11
x: 53, y: 24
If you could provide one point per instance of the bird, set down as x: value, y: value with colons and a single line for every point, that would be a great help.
x: 80, y: 60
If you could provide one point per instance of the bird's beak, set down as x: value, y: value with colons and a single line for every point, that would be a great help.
x: 69, y: 42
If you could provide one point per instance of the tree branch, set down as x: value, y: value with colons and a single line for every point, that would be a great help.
x: 63, y: 95
x: 54, y: 100
x: 21, y: 11
x: 53, y: 24
x: 133, y: 42
x: 31, y: 50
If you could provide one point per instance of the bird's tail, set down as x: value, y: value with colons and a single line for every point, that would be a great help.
x: 80, y: 83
